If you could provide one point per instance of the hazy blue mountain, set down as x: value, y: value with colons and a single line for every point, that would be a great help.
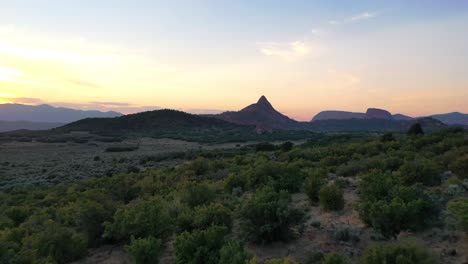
x: 455, y: 118
x: 6, y: 126
x: 402, y: 117
x: 47, y: 114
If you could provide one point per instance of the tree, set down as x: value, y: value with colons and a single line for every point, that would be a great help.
x: 267, y: 217
x: 145, y: 250
x: 415, y: 130
x: 331, y: 198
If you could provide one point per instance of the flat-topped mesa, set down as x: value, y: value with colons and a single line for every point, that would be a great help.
x: 337, y: 115
x: 375, y: 113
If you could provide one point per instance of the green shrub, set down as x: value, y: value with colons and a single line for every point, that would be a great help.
x: 389, y: 207
x: 196, y: 194
x: 331, y: 198
x: 87, y: 216
x: 140, y: 219
x: 421, y: 170
x: 235, y: 181
x: 334, y: 259
x: 281, y: 176
x: 312, y: 186
x: 281, y: 261
x: 57, y: 243
x: 460, y: 166
x: 459, y: 208
x: 233, y: 252
x: 213, y: 214
x: 145, y: 250
x: 267, y: 216
x: 200, y: 246
x: 286, y: 146
x: 18, y: 214
x: 387, y: 137
x: 406, y: 252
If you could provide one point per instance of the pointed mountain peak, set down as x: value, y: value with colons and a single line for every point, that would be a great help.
x: 263, y: 101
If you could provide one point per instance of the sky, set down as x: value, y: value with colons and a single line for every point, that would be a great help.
x: 206, y: 56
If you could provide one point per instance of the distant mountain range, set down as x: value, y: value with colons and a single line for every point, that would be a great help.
x: 42, y: 117
x: 454, y: 118
x: 18, y: 125
x: 48, y: 114
x: 261, y: 115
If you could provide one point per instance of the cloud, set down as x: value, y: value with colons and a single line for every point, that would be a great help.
x: 111, y: 103
x: 14, y: 76
x: 287, y: 51
x: 355, y: 18
x: 27, y: 100
x: 203, y: 111
x: 344, y: 78
x: 363, y: 16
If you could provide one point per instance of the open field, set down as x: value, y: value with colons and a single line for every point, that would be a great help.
x: 39, y: 164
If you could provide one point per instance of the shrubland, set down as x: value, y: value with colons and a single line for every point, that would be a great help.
x: 217, y: 207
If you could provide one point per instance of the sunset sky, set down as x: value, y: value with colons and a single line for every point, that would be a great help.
x: 202, y: 56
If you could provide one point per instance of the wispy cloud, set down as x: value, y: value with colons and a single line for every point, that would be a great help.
x: 14, y: 76
x: 363, y: 16
x: 353, y: 19
x: 345, y: 78
x: 288, y: 51
x: 111, y: 103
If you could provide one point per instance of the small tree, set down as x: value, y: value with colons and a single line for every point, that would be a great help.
x: 415, y: 129
x: 331, y: 198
